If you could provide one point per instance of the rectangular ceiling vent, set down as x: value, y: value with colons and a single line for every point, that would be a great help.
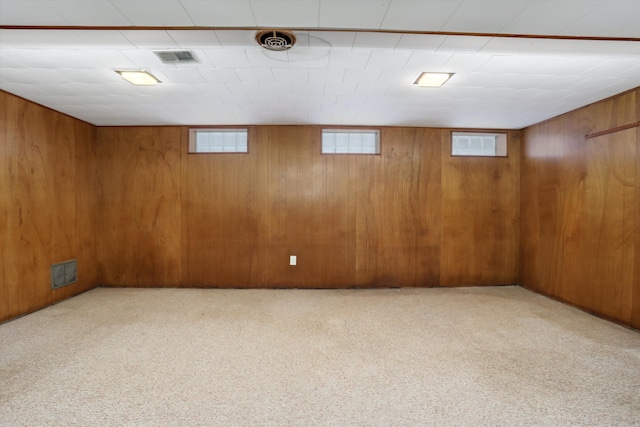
x: 176, y: 56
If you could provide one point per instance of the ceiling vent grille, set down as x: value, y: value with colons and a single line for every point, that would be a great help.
x: 176, y: 56
x: 277, y: 40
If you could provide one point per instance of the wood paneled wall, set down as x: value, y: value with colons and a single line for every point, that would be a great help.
x: 411, y: 216
x: 47, y: 204
x: 580, y: 204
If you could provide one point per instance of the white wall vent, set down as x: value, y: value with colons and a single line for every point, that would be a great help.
x: 64, y: 273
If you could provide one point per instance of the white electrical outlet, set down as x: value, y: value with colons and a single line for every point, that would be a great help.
x: 293, y: 260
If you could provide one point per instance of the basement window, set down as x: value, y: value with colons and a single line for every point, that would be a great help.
x: 484, y: 144
x: 341, y: 141
x: 218, y: 141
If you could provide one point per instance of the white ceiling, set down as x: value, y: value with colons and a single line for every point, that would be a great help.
x: 356, y: 77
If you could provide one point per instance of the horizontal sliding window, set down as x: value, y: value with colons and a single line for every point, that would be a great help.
x: 485, y: 144
x: 218, y: 141
x: 344, y: 141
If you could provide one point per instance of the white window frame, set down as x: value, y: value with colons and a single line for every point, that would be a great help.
x: 225, y: 142
x: 478, y: 144
x: 350, y: 141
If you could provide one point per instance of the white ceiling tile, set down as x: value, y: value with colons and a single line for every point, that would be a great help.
x: 311, y: 58
x: 236, y: 38
x: 293, y: 75
x: 145, y: 59
x: 593, y: 84
x: 547, y: 17
x: 308, y: 88
x: 633, y: 74
x: 88, y: 12
x: 255, y: 75
x: 365, y: 76
x: 286, y: 13
x: 376, y: 40
x: 340, y: 89
x: 243, y: 89
x: 259, y: 57
x: 399, y: 77
x: 346, y: 58
x: 184, y: 76
x: 150, y: 39
x: 274, y: 89
x: 581, y: 47
x: 38, y: 38
x: 503, y: 80
x: 421, y: 42
x: 326, y: 75
x: 322, y: 99
x: 484, y: 16
x: 339, y: 39
x: 228, y: 58
x: 156, y: 13
x: 421, y: 61
x: 613, y: 67
x: 559, y: 83
x: 352, y: 13
x: 14, y: 75
x: 370, y: 90
x: 423, y: 15
x: 28, y: 12
x: 32, y: 58
x: 113, y: 59
x: 7, y: 61
x: 220, y: 13
x: 504, y: 45
x: 463, y: 44
x: 608, y: 17
x: 44, y: 75
x: 464, y: 62
x: 190, y: 39
x: 290, y: 99
x: 68, y: 58
x: 103, y: 39
x: 390, y: 60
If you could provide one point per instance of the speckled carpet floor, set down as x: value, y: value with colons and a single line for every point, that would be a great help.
x: 399, y: 357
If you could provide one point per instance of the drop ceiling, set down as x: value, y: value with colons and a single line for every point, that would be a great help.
x: 354, y: 63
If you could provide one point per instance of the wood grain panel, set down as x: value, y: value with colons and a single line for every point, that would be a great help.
x: 579, y: 209
x: 86, y: 209
x: 352, y: 220
x: 480, y: 217
x: 297, y: 194
x: 608, y: 226
x: 139, y: 226
x: 39, y: 192
x: 635, y: 314
x: 226, y: 231
x: 4, y: 210
x: 398, y: 211
x: 29, y: 141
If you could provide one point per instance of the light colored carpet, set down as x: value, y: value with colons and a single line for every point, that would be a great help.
x: 397, y: 357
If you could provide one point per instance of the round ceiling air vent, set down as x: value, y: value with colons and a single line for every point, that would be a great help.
x: 276, y: 39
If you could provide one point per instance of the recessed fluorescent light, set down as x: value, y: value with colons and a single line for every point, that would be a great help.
x: 432, y: 79
x: 139, y: 78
